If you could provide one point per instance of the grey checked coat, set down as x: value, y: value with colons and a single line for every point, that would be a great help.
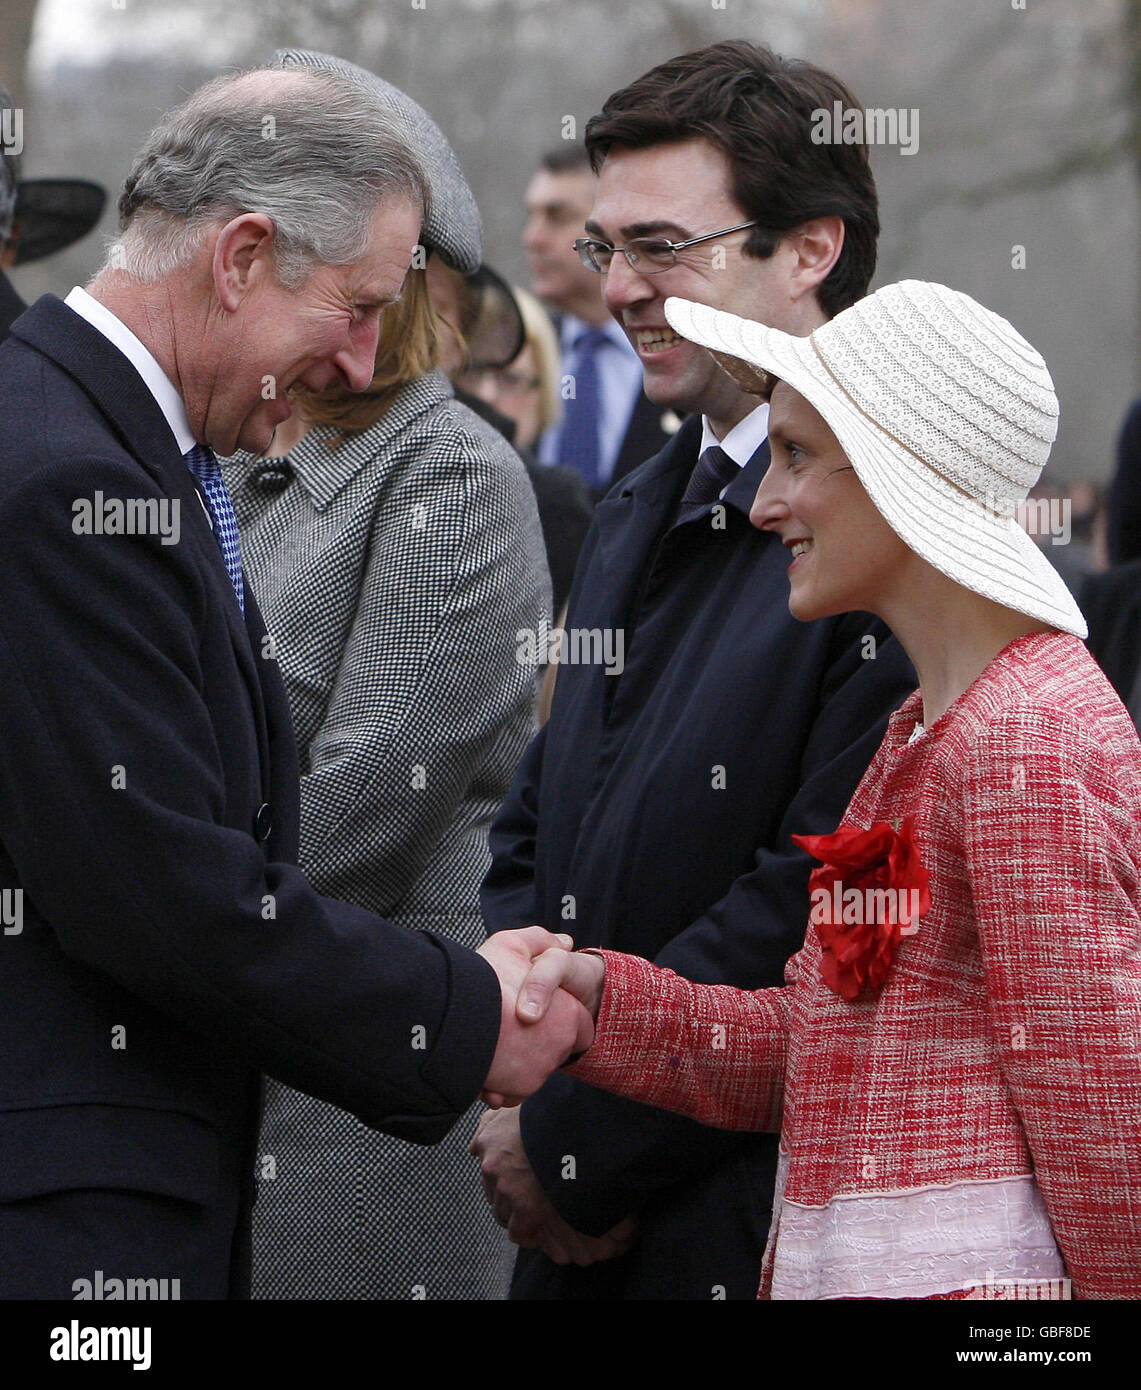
x: 393, y: 573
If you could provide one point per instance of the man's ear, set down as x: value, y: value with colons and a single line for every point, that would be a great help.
x: 817, y: 245
x: 243, y: 256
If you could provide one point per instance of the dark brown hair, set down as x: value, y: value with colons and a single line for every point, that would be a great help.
x: 567, y: 158
x: 757, y: 108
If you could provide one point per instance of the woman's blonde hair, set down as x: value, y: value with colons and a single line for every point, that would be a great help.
x: 539, y: 335
x: 405, y: 350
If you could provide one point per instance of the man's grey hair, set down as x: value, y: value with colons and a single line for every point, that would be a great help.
x: 315, y: 152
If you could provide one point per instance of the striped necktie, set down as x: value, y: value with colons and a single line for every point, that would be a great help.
x: 713, y: 473
x: 202, y: 463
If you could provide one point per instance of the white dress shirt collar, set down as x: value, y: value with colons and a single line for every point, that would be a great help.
x: 157, y: 382
x: 743, y: 440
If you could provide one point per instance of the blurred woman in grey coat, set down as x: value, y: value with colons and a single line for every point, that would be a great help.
x: 393, y: 542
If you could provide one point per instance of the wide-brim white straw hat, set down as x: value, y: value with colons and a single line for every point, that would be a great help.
x: 945, y: 412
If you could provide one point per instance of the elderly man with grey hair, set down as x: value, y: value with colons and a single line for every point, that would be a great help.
x: 161, y: 950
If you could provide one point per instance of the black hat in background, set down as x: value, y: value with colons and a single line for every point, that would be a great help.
x: 53, y: 213
x: 493, y: 326
x: 49, y: 214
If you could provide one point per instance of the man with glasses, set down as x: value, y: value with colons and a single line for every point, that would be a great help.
x: 608, y: 424
x: 653, y: 813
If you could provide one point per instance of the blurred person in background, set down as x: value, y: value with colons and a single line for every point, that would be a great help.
x: 37, y: 218
x: 527, y: 388
x: 526, y: 391
x: 1111, y: 602
x: 393, y: 540
x: 608, y: 424
x: 1124, y: 505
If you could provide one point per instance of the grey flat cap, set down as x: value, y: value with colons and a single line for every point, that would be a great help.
x: 453, y: 228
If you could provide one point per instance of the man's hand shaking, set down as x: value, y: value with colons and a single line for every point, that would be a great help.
x: 540, y: 1027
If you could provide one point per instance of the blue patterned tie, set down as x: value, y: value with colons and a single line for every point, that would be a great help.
x: 579, y: 445
x: 202, y: 463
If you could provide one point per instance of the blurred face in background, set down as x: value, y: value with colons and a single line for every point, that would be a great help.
x: 515, y: 391
x: 557, y: 208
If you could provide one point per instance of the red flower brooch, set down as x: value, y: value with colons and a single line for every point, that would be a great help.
x: 870, y: 891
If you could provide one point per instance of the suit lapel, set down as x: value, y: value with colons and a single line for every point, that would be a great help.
x: 277, y: 749
x: 11, y: 305
x: 645, y: 435
x: 629, y: 519
x: 121, y: 396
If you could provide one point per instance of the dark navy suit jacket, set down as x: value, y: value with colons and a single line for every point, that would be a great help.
x: 170, y: 950
x: 1124, y: 502
x: 652, y: 814
x: 644, y: 437
x: 11, y: 305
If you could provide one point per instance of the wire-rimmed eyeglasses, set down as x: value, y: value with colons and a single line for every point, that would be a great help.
x: 648, y: 255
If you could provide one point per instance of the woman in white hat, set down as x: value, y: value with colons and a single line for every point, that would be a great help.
x: 954, y: 1062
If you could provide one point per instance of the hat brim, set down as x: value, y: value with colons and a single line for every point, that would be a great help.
x: 962, y: 537
x: 54, y: 213
x: 496, y: 337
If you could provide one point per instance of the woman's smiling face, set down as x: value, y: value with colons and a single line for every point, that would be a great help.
x: 845, y: 556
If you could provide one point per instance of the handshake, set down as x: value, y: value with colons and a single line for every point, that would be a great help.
x: 550, y: 998
x: 551, y: 995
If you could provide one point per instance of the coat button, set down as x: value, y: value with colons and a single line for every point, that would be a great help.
x: 272, y: 476
x: 263, y: 823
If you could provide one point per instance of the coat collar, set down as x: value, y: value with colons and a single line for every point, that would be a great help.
x: 119, y: 393
x: 111, y: 382
x: 325, y: 472
x: 638, y: 498
x: 629, y: 517
x: 117, y: 390
x: 680, y: 454
x: 11, y: 305
x: 743, y: 488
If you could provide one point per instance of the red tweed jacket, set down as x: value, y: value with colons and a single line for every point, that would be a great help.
x: 974, y: 1126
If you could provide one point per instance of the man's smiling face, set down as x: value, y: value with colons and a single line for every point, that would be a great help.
x: 678, y: 191
x: 322, y: 334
